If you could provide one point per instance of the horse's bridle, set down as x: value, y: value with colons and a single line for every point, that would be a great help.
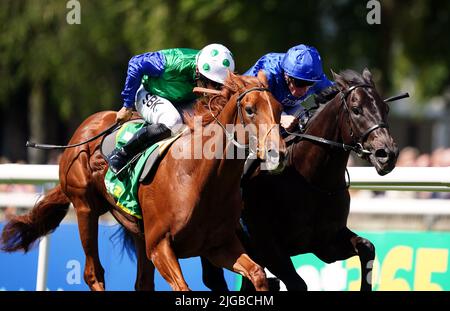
x: 230, y: 136
x: 357, y: 146
x: 359, y: 143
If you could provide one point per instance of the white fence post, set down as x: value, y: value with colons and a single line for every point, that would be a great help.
x: 44, y: 250
x: 42, y: 266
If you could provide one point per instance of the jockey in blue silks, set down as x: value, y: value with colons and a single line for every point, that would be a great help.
x: 293, y: 77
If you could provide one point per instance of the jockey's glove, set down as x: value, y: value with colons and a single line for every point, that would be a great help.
x: 124, y: 115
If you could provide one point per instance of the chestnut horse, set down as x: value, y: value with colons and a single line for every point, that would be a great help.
x: 190, y: 206
x: 308, y: 205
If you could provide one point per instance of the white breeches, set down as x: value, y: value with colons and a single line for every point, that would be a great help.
x: 155, y: 109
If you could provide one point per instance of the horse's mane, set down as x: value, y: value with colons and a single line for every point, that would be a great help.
x: 232, y: 85
x: 348, y: 77
x: 345, y: 77
x: 327, y: 94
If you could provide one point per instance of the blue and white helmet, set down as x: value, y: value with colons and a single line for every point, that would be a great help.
x: 303, y: 62
x: 214, y: 61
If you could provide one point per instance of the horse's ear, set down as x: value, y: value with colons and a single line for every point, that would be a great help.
x: 233, y: 82
x: 230, y: 76
x: 367, y: 75
x: 341, y: 83
x: 262, y: 78
x: 333, y: 74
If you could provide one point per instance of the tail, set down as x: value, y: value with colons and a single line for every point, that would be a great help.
x: 21, y: 231
x: 124, y: 237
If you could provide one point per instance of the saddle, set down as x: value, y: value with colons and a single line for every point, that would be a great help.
x: 108, y: 144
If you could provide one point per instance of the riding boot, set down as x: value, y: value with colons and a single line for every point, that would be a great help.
x: 141, y: 140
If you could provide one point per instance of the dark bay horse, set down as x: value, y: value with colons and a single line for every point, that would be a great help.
x: 190, y: 207
x: 307, y: 207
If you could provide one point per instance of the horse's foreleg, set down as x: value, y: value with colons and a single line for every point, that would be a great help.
x: 167, y: 264
x: 346, y: 245
x: 279, y: 263
x: 145, y: 268
x: 88, y: 229
x: 233, y: 257
x: 366, y: 254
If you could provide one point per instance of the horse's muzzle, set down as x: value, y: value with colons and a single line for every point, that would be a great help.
x: 274, y: 160
x: 384, y: 159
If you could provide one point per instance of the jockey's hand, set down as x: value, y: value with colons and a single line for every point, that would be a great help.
x: 124, y: 115
x: 288, y: 122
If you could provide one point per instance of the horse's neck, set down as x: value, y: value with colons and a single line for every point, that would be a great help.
x: 315, y: 160
x: 222, y: 170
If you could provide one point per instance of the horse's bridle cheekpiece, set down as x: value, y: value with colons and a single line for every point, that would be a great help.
x: 230, y: 136
x: 359, y: 144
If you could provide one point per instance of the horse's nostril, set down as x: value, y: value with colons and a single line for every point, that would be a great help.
x: 272, y: 153
x: 381, y: 153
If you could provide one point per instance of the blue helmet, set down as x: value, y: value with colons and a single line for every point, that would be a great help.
x: 303, y: 62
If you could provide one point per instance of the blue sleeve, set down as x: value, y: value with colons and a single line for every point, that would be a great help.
x: 271, y: 65
x: 151, y: 64
x: 253, y: 71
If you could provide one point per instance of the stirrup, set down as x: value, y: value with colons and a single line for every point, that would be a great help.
x: 116, y: 159
x: 129, y: 163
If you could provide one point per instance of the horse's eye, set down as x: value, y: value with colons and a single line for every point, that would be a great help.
x: 250, y: 111
x: 356, y: 110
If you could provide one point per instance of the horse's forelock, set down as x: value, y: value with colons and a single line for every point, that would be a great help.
x: 232, y: 84
x: 235, y: 83
x: 351, y: 77
x: 252, y: 81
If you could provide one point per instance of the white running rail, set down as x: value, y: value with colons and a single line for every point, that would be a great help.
x: 435, y: 179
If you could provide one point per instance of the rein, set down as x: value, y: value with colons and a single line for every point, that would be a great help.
x: 357, y: 148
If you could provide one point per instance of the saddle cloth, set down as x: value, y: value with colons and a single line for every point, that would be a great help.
x: 123, y: 188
